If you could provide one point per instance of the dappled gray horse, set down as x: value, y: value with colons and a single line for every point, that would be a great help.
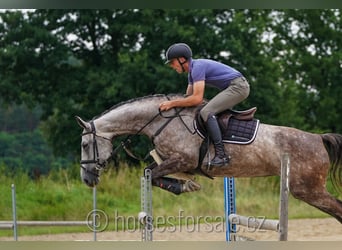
x: 313, y: 156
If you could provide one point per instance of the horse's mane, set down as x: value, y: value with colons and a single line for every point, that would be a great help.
x: 134, y: 100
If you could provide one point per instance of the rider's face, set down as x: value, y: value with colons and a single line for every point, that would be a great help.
x: 174, y: 63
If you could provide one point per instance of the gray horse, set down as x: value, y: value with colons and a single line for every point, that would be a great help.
x: 313, y: 156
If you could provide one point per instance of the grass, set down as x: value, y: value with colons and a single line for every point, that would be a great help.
x: 62, y: 196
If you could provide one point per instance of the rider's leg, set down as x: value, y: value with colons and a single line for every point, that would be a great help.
x: 220, y: 158
x: 226, y: 99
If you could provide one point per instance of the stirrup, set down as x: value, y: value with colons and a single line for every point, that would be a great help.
x: 219, y: 162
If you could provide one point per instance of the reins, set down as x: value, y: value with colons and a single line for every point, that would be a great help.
x: 124, y: 144
x: 127, y: 141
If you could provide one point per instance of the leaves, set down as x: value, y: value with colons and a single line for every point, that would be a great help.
x: 81, y: 62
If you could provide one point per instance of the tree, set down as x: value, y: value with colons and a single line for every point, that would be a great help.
x: 81, y: 62
x: 307, y: 45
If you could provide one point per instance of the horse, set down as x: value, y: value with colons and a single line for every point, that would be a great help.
x: 314, y: 157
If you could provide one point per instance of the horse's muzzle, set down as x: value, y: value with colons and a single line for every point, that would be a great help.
x: 90, y: 178
x: 91, y: 182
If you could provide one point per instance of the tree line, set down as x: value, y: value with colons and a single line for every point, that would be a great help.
x: 82, y: 62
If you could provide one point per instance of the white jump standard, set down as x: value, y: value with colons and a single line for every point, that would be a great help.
x: 145, y: 216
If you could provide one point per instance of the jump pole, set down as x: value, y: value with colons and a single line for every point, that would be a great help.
x: 284, y: 197
x: 229, y: 206
x: 280, y: 226
x: 145, y: 216
x: 94, y: 214
x: 14, y: 213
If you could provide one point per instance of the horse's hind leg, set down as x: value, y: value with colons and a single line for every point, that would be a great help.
x: 325, y: 202
x: 317, y: 196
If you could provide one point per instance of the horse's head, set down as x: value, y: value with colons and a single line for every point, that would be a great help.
x: 96, y: 150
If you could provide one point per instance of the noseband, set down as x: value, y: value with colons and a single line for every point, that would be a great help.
x: 96, y: 160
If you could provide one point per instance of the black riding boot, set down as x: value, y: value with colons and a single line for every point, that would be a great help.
x: 214, y: 133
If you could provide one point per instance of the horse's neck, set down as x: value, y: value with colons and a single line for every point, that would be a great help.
x: 136, y: 116
x: 127, y: 119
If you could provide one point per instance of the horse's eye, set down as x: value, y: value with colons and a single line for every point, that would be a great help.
x: 85, y: 145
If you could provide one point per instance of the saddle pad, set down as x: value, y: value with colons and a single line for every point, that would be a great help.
x: 240, y: 132
x: 236, y: 131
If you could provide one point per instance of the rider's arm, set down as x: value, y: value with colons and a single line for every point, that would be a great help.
x: 189, y: 90
x: 194, y: 99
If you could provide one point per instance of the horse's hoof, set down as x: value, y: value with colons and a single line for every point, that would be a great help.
x: 190, y: 186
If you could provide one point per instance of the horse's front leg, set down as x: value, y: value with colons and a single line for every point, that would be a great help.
x: 171, y: 166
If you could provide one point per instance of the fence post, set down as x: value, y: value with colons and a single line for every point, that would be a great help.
x: 14, y: 211
x: 94, y: 213
x: 229, y: 206
x: 284, y: 197
x: 146, y: 205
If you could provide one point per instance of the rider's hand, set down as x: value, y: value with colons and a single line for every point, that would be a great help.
x: 164, y: 106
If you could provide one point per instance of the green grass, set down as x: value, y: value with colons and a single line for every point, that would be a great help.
x: 62, y: 196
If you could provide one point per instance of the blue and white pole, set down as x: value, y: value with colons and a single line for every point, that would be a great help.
x: 229, y: 206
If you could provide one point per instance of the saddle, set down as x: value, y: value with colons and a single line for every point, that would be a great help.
x: 238, y: 127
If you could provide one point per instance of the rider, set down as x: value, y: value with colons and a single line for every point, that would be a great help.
x: 233, y: 87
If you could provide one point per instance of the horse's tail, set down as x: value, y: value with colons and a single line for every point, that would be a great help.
x: 333, y: 145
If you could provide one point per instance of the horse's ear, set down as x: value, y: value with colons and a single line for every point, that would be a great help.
x: 82, y: 123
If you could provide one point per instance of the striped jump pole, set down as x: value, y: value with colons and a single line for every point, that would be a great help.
x: 145, y: 216
x: 229, y: 206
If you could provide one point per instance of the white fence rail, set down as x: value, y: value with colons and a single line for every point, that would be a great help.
x: 13, y: 224
x: 10, y: 224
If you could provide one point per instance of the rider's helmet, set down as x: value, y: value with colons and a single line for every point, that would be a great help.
x: 178, y: 50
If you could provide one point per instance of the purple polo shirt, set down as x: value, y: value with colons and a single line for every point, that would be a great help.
x: 214, y: 73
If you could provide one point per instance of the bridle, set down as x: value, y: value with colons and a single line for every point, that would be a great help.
x: 98, y: 165
x: 124, y: 144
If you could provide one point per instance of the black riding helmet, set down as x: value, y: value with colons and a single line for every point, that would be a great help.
x: 178, y: 50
